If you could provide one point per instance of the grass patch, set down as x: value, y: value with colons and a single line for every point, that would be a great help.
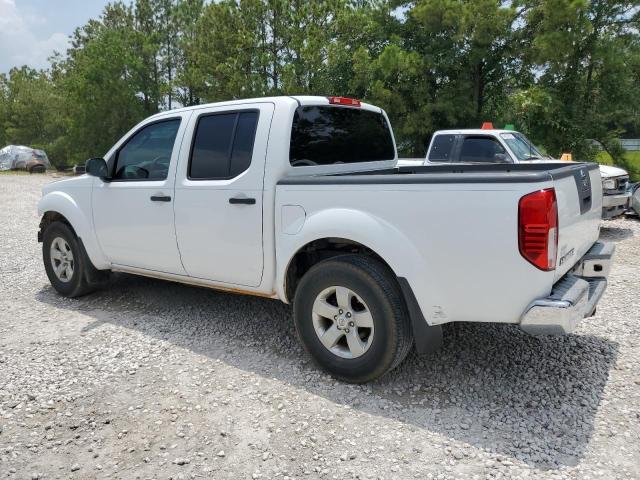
x: 632, y: 163
x: 14, y: 172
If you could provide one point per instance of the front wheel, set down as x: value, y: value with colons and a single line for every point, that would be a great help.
x: 65, y: 261
x: 351, y: 318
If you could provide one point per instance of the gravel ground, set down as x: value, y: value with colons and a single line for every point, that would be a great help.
x: 149, y: 379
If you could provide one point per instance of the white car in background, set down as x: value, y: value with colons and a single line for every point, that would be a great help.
x: 489, y: 145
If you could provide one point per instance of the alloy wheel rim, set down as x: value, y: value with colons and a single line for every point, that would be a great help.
x: 62, y: 259
x: 343, y: 322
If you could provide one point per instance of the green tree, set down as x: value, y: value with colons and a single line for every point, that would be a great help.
x: 4, y: 108
x: 147, y: 71
x: 189, y: 80
x: 223, y: 55
x: 565, y: 71
x: 103, y: 98
x: 585, y: 57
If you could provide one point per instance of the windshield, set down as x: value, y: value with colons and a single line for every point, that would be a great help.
x: 521, y: 146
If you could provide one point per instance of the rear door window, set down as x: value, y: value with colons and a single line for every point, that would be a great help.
x: 441, y: 148
x: 222, y: 145
x: 326, y: 135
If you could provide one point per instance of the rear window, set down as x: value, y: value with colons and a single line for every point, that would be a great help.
x: 328, y: 135
x: 441, y: 148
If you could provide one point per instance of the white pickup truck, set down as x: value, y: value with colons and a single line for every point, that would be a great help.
x: 489, y: 145
x: 300, y: 199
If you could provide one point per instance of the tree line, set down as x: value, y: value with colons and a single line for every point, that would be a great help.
x: 566, y: 72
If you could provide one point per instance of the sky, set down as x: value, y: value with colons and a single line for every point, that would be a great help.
x: 30, y: 30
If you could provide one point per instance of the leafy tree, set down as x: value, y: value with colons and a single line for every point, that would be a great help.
x: 585, y: 57
x: 565, y: 71
x: 4, y: 108
x: 98, y: 78
x: 147, y: 71
x: 188, y: 81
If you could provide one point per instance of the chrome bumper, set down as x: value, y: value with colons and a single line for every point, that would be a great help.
x: 573, y: 297
x: 615, y: 200
x: 614, y: 205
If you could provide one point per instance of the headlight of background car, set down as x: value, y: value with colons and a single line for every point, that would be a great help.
x: 609, y: 184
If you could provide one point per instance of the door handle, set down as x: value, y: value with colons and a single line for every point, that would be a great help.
x: 242, y: 201
x: 160, y: 198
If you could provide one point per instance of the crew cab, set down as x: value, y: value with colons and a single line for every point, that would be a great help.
x: 489, y: 145
x: 300, y: 199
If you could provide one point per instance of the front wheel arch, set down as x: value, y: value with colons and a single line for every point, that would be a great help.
x: 92, y: 277
x: 52, y: 216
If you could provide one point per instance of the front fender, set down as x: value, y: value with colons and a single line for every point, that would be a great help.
x: 78, y: 214
x: 393, y: 246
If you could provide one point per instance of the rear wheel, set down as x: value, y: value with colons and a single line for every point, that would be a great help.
x: 66, y: 262
x: 351, y: 318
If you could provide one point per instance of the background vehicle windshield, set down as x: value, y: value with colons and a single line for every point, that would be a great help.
x: 521, y: 146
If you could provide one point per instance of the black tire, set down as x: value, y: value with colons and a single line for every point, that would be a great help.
x: 376, y: 285
x: 83, y: 271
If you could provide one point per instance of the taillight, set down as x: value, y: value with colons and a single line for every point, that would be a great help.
x: 351, y: 102
x: 538, y: 228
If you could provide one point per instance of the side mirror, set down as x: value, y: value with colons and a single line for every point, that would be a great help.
x: 501, y: 158
x: 97, y: 167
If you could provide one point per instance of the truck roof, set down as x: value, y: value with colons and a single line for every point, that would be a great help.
x: 474, y: 131
x: 299, y: 99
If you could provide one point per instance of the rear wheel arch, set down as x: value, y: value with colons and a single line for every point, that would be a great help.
x: 321, y: 249
x: 427, y: 338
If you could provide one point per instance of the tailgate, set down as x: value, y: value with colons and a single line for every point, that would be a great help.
x: 579, y: 195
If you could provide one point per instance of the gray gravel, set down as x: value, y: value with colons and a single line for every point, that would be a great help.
x: 149, y: 379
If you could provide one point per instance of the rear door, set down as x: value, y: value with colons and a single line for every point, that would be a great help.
x: 219, y: 192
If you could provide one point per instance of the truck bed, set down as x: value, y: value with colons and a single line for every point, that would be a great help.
x: 460, y: 221
x: 449, y: 173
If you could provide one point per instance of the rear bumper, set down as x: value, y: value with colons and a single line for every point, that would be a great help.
x: 574, y: 297
x: 614, y: 205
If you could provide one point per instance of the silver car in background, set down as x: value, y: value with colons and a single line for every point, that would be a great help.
x: 19, y: 157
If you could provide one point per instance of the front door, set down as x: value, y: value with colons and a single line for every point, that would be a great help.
x: 133, y: 213
x: 219, y: 190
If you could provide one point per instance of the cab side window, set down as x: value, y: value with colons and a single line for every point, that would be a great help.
x: 147, y: 154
